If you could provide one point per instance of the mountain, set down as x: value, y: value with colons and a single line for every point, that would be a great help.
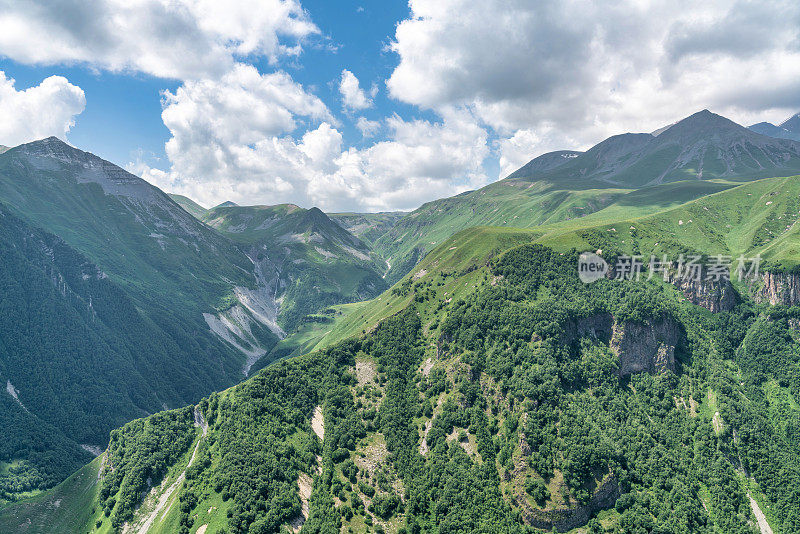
x: 367, y: 226
x: 304, y: 261
x: 3, y: 148
x: 705, y: 148
x: 192, y: 207
x: 766, y: 128
x: 110, y: 291
x: 792, y: 124
x: 494, y: 392
x: 788, y: 129
x: 702, y: 146
x: 488, y: 390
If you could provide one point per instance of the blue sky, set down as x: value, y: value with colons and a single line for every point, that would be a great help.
x: 123, y: 110
x: 376, y: 105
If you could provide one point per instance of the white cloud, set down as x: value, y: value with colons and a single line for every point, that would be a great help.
x: 37, y: 112
x: 367, y: 127
x: 592, y: 69
x: 419, y: 162
x: 180, y: 39
x: 234, y: 139
x: 353, y: 96
x: 515, y: 151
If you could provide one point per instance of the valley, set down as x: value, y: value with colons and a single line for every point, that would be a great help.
x: 276, y: 368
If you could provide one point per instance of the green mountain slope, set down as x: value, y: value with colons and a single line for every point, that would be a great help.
x: 367, y: 226
x: 567, y: 185
x: 77, y: 358
x: 111, y: 292
x: 131, y: 229
x: 755, y: 218
x: 528, y: 402
x: 174, y: 267
x: 192, y: 207
x: 304, y: 260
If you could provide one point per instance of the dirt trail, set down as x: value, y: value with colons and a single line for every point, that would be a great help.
x: 165, y: 498
x: 762, y: 520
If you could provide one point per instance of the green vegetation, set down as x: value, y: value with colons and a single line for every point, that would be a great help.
x: 307, y: 261
x: 104, y: 284
x: 488, y: 411
x: 368, y: 227
x: 487, y: 390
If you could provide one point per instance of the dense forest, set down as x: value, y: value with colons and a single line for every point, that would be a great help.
x: 508, y: 410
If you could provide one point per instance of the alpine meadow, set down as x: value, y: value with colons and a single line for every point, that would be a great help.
x: 514, y: 280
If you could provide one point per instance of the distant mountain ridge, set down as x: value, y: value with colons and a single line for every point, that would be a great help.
x: 304, y: 259
x: 704, y: 148
x: 788, y: 129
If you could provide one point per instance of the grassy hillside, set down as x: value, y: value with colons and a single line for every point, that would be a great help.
x: 704, y: 148
x: 500, y: 408
x: 367, y: 226
x: 718, y: 217
x: 192, y: 207
x: 754, y: 218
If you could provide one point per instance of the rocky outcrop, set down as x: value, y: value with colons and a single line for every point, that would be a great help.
x: 566, y: 519
x: 642, y: 346
x: 647, y: 346
x: 715, y: 296
x: 598, y: 326
x: 778, y: 288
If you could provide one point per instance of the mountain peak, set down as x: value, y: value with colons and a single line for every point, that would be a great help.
x: 700, y: 125
x: 50, y: 146
x: 792, y: 124
x: 226, y: 204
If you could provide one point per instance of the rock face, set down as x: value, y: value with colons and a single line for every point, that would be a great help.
x: 566, y: 519
x: 714, y: 296
x: 647, y: 346
x: 598, y: 326
x: 779, y: 288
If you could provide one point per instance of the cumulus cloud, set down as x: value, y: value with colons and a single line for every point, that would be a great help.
x: 420, y: 161
x: 515, y: 151
x: 237, y: 139
x: 367, y: 127
x: 179, y: 39
x: 353, y: 97
x: 597, y: 69
x: 40, y: 111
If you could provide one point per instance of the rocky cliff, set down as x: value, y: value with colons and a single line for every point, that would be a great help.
x: 647, y: 346
x: 566, y: 519
x: 778, y: 288
x: 715, y: 296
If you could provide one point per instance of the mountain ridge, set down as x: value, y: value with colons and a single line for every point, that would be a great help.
x: 704, y: 147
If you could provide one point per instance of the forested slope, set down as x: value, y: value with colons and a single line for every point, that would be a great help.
x: 528, y: 402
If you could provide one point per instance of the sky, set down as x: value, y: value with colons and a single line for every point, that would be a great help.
x: 376, y: 105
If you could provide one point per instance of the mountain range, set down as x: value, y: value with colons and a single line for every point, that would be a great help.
x: 442, y: 370
x: 788, y: 129
x: 705, y: 149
